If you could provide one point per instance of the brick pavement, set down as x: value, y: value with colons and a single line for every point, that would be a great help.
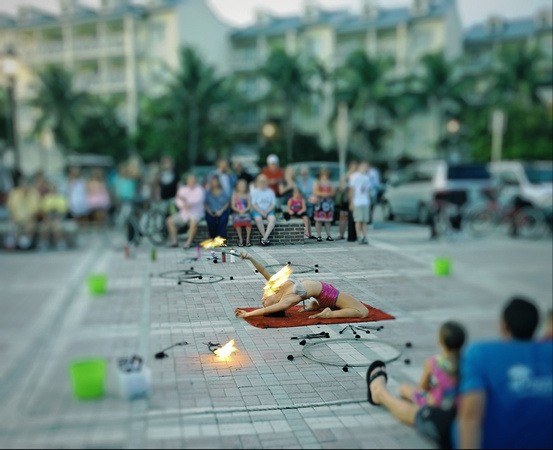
x: 258, y: 399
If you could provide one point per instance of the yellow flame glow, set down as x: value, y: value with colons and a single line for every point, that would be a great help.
x: 226, y: 350
x: 215, y: 242
x: 276, y: 281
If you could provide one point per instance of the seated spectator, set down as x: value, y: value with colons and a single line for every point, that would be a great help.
x: 242, y: 173
x: 273, y: 173
x: 217, y: 211
x: 263, y: 207
x: 77, y: 194
x: 98, y: 196
x: 54, y: 208
x: 297, y: 208
x: 241, y: 207
x: 41, y: 183
x: 506, y: 388
x: 190, y: 202
x: 227, y: 179
x: 23, y: 207
x: 430, y: 406
x: 324, y: 209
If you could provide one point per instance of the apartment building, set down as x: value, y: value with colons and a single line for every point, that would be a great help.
x: 403, y: 34
x: 483, y: 43
x: 119, y: 50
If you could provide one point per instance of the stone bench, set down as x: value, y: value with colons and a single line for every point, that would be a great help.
x: 285, y: 233
x: 69, y: 229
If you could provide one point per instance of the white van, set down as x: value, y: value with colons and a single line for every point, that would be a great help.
x: 411, y: 192
x: 532, y: 181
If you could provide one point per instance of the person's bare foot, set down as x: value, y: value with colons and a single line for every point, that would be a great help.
x: 324, y: 314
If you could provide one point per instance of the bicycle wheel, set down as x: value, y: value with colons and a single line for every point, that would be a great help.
x: 481, y: 221
x: 530, y: 223
x: 154, y: 227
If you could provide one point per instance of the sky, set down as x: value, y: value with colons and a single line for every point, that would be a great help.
x: 242, y: 12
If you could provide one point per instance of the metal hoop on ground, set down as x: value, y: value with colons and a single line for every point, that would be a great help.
x: 203, y: 278
x: 302, y: 268
x: 179, y: 274
x: 366, y: 352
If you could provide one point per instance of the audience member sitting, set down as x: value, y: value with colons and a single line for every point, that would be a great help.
x: 263, y: 207
x: 227, y: 179
x: 241, y: 207
x: 324, y: 209
x: 23, y: 207
x: 273, y: 173
x: 77, y: 194
x: 297, y: 208
x: 506, y: 386
x: 54, y: 208
x: 190, y: 202
x: 430, y: 406
x: 217, y: 211
x: 242, y: 173
x: 98, y: 196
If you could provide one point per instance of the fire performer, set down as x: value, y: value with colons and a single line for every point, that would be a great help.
x: 282, y: 292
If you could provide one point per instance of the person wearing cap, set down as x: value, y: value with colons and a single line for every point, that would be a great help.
x: 273, y: 172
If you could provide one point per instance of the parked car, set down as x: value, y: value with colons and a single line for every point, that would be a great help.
x: 532, y: 181
x: 411, y: 192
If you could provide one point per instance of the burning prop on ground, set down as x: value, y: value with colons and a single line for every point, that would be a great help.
x: 222, y: 352
x: 214, y: 243
x: 276, y: 281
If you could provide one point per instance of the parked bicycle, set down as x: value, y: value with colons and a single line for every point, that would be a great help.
x: 141, y: 219
x: 522, y: 218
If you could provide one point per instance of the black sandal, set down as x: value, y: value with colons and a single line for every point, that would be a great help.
x: 373, y: 376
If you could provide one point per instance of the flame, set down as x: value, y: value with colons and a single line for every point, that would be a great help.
x: 226, y: 350
x: 215, y: 242
x: 276, y: 281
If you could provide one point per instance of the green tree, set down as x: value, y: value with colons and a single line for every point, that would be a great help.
x: 361, y: 84
x: 441, y: 85
x: 60, y: 107
x: 101, y: 131
x: 191, y: 116
x: 289, y: 89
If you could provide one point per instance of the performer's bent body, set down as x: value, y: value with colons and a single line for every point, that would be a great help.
x: 334, y: 304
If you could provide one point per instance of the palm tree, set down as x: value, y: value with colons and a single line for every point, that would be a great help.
x: 60, y: 106
x: 194, y: 96
x: 289, y: 88
x: 518, y: 75
x: 442, y: 87
x: 361, y: 84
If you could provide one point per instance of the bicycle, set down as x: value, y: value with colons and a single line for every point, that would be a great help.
x: 446, y: 215
x: 521, y: 216
x: 138, y: 219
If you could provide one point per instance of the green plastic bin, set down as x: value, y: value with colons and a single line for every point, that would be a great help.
x: 98, y: 284
x: 88, y: 378
x: 442, y: 267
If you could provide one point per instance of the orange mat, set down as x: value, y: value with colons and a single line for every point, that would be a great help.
x: 296, y: 318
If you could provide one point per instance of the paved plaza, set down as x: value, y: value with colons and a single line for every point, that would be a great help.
x: 258, y: 398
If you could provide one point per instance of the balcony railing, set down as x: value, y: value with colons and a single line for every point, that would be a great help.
x: 246, y: 62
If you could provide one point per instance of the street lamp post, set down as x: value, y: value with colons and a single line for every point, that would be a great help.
x: 9, y: 68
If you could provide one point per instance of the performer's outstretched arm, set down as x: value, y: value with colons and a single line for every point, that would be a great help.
x: 260, y: 267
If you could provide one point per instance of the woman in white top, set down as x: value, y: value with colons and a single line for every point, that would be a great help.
x: 263, y: 207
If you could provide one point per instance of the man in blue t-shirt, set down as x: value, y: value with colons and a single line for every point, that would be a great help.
x: 507, y: 387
